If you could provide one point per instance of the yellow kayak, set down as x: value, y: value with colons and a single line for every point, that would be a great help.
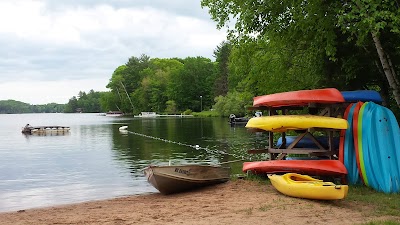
x: 303, y: 186
x: 282, y: 123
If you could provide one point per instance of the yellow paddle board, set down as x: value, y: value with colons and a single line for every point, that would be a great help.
x: 282, y: 123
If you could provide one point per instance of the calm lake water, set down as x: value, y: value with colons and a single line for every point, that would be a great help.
x: 96, y: 161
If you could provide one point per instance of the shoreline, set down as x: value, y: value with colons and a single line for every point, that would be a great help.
x: 234, y: 202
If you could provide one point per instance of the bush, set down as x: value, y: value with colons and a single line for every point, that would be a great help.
x: 187, y: 112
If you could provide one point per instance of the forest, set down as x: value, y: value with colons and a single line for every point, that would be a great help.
x: 272, y: 46
x: 17, y: 107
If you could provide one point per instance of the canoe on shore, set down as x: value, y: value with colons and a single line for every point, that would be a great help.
x: 180, y: 178
x: 303, y: 186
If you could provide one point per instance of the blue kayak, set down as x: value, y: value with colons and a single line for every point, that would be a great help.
x: 362, y: 96
x: 307, y: 142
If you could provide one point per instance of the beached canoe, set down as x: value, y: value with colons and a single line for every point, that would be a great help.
x: 282, y: 123
x: 179, y: 178
x: 309, y: 167
x: 303, y: 186
x: 299, y: 98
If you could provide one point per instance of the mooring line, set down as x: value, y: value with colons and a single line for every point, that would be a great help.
x: 197, y: 147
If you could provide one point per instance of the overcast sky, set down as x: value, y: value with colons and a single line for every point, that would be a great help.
x: 52, y: 49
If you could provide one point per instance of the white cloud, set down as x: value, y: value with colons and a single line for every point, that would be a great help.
x: 70, y: 41
x: 43, y: 92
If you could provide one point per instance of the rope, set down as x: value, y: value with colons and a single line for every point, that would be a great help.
x: 197, y: 147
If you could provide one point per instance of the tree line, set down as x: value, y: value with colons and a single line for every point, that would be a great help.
x: 17, y: 107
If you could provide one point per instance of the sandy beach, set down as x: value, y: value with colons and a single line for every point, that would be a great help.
x: 234, y: 202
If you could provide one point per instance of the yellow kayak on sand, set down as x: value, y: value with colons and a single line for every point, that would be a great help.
x: 282, y: 123
x: 303, y: 186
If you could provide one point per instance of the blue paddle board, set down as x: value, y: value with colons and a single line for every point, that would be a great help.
x: 349, y: 153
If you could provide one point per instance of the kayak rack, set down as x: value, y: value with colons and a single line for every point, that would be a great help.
x: 279, y: 152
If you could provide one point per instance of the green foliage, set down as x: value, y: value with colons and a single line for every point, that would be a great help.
x: 155, y: 88
x: 293, y: 45
x: 187, y: 112
x: 171, y: 107
x: 211, y: 113
x: 221, y: 54
x: 192, y: 86
x: 233, y: 103
x: 17, y: 107
x: 87, y: 103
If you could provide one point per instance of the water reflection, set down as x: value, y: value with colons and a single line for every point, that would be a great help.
x: 95, y: 160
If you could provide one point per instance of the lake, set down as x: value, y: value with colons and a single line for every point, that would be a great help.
x: 96, y: 161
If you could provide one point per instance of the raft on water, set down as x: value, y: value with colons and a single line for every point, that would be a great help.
x: 44, y: 129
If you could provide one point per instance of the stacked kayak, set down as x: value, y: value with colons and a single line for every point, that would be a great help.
x: 306, y: 143
x: 362, y: 96
x: 283, y: 123
x: 303, y: 186
x: 299, y: 98
x: 310, y: 167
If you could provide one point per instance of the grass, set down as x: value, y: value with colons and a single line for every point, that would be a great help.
x: 385, y: 222
x: 381, y: 204
x: 384, y: 204
x: 206, y: 114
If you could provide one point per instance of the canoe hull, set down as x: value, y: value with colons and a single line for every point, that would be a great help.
x: 175, y: 179
x: 309, y: 167
x: 299, y: 98
x: 303, y: 186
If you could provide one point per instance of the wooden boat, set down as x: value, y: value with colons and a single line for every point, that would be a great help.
x: 282, y: 123
x: 309, y: 167
x: 303, y: 186
x: 179, y: 178
x: 299, y: 98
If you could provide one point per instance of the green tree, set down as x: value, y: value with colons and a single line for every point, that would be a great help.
x: 221, y: 54
x: 194, y: 80
x: 316, y: 39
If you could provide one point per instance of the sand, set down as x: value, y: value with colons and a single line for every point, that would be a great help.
x: 234, y: 202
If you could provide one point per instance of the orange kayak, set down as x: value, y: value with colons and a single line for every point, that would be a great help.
x: 299, y: 98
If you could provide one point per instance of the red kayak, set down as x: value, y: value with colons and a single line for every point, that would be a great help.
x: 299, y: 98
x: 309, y: 167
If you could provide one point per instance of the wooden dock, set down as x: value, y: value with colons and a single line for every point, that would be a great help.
x: 45, y: 129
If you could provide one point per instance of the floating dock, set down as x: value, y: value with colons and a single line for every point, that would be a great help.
x: 45, y: 129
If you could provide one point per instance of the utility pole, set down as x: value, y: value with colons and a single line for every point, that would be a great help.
x: 201, y: 103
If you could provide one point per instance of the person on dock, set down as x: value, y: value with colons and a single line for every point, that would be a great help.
x: 27, y: 128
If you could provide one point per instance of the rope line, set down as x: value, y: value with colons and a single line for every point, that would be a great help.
x: 197, y: 147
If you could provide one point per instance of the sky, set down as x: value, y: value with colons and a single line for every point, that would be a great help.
x: 52, y: 49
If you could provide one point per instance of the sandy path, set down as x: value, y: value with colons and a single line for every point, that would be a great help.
x: 235, y: 202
